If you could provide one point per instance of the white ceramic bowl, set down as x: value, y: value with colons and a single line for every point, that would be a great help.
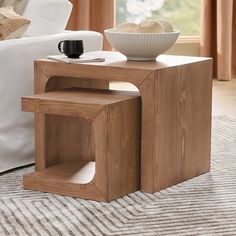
x: 141, y: 46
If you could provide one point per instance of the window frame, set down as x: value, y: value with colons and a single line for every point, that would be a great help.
x: 189, y: 39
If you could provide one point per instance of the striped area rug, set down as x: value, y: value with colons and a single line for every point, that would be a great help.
x: 205, y: 205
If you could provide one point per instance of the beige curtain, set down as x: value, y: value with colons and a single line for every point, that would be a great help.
x: 95, y: 15
x: 219, y: 36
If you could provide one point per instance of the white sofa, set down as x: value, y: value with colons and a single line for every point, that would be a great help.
x: 16, y: 79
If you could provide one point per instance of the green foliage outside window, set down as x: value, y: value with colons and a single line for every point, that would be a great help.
x: 183, y: 14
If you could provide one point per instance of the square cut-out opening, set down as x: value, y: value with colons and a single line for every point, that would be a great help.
x: 69, y: 149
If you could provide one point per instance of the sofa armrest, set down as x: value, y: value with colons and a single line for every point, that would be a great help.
x: 93, y: 41
x: 17, y: 79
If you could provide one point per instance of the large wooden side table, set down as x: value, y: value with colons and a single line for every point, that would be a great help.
x: 176, y: 95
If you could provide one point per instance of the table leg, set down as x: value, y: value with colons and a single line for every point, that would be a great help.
x: 176, y: 125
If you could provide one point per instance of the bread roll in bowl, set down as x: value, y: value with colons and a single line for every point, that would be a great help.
x: 149, y: 26
x: 127, y: 27
x: 166, y: 25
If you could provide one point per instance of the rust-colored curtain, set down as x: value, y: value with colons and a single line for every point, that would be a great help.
x: 95, y: 15
x: 219, y: 36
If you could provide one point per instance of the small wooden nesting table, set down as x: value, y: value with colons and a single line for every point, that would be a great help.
x: 176, y: 94
x: 97, y: 161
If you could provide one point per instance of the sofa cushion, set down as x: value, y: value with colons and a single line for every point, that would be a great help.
x: 47, y: 16
x: 18, y: 5
x: 12, y: 25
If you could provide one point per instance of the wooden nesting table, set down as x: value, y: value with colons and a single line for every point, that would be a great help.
x: 176, y: 97
x: 90, y: 143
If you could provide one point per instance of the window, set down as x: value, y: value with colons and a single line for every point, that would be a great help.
x: 183, y: 14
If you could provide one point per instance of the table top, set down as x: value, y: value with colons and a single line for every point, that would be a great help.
x: 97, y: 97
x: 117, y: 60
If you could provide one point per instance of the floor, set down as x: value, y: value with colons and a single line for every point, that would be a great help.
x: 224, y: 96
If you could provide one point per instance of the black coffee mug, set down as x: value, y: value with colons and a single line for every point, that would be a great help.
x: 71, y: 48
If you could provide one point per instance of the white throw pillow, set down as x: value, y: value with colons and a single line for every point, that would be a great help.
x: 47, y: 16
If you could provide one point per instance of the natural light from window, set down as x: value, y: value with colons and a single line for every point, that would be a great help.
x: 183, y: 14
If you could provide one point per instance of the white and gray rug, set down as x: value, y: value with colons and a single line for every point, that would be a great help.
x: 205, y: 205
